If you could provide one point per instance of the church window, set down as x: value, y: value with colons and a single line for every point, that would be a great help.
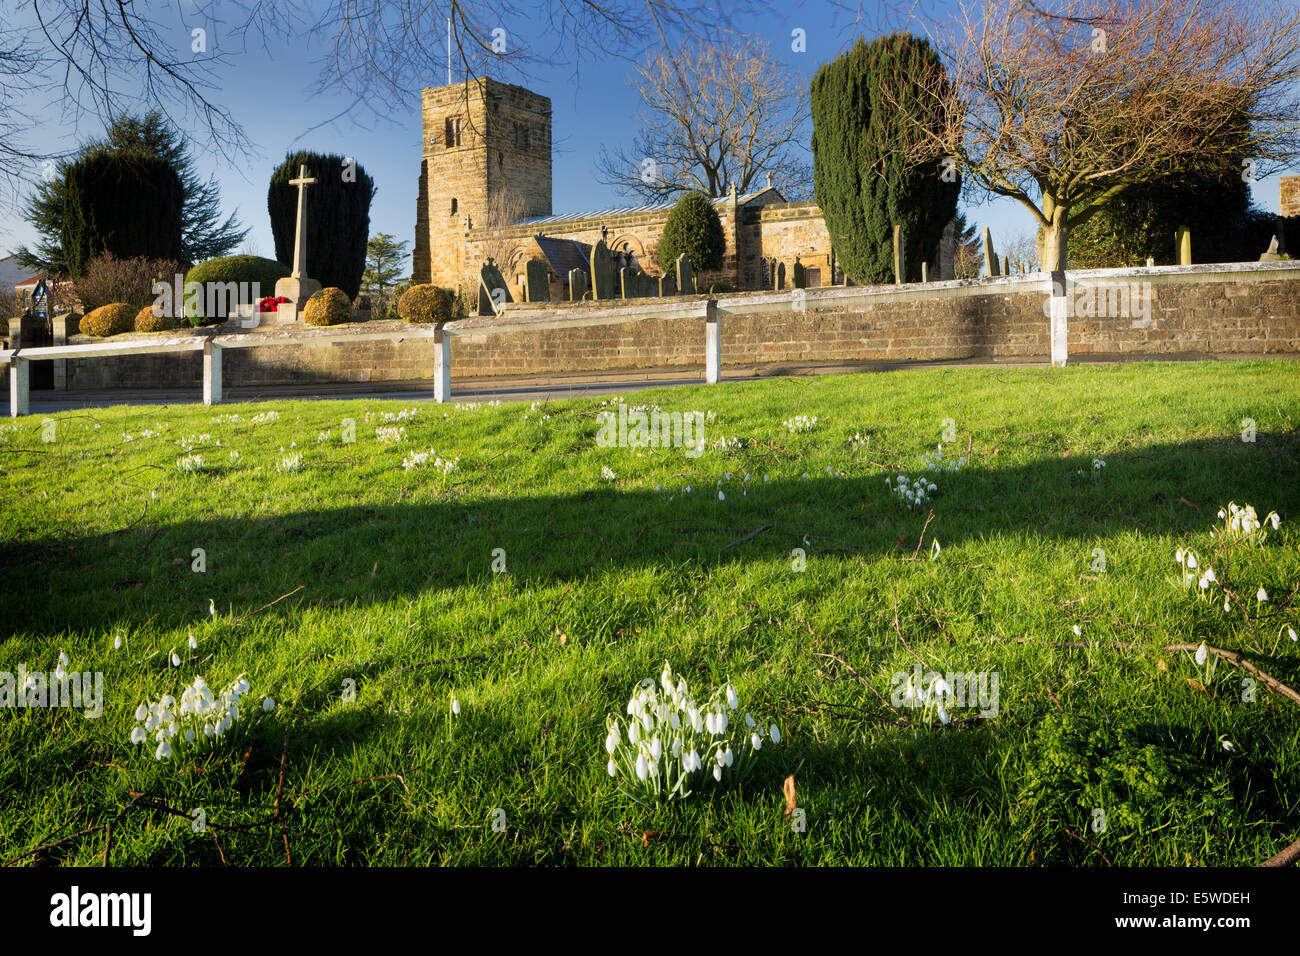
x: 453, y: 205
x: 451, y: 131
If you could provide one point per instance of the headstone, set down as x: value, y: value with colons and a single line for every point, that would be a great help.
x: 1151, y: 263
x: 1006, y: 265
x: 900, y: 266
x: 990, y: 256
x: 948, y: 252
x: 780, y: 275
x: 667, y: 286
x: 627, y: 282
x: 1271, y: 255
x: 493, y: 293
x: 577, y: 285
x: 1183, y: 241
x: 537, y: 288
x: 602, y: 272
x: 297, y: 287
x: 925, y: 272
x: 800, y: 275
x: 685, y: 277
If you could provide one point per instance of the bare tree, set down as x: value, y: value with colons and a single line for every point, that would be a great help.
x: 505, y: 208
x: 713, y: 115
x: 1064, y: 109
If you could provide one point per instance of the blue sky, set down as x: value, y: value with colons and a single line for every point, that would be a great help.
x: 594, y: 103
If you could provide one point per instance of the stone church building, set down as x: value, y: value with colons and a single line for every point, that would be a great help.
x: 487, y: 152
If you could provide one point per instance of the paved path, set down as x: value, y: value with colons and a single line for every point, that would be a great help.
x: 534, y: 388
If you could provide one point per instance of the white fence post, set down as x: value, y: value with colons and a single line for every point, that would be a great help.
x: 1060, y: 304
x: 441, y: 364
x: 712, y: 344
x: 20, y: 392
x: 211, y: 373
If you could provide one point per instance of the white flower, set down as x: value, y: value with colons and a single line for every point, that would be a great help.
x: 189, y: 736
x: 455, y: 709
x: 1228, y: 745
x: 138, y: 736
x: 117, y: 643
x: 749, y: 721
x: 732, y: 700
x: 612, y: 768
x: 634, y: 732
x: 1077, y: 630
x: 1290, y: 632
x: 193, y: 643
x: 1261, y: 595
x: 176, y: 658
x: 1274, y: 520
x: 212, y: 607
x: 163, y: 752
x: 943, y: 716
x: 717, y: 774
x: 1226, y: 605
x: 1180, y: 553
x: 267, y: 703
x: 775, y: 734
x: 756, y: 741
x: 656, y: 749
x: 1191, y: 560
x: 641, y: 768
x: 142, y: 713
x: 1202, y: 654
x: 730, y: 757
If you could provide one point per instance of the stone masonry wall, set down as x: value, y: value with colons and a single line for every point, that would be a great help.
x: 1198, y: 309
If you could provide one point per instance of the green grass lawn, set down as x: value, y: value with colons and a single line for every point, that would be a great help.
x: 362, y: 598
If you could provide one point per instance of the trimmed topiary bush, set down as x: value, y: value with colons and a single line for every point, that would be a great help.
x: 338, y: 213
x: 254, y: 279
x: 112, y: 319
x: 328, y: 307
x: 146, y: 321
x: 693, y: 227
x: 426, y: 303
x: 129, y: 205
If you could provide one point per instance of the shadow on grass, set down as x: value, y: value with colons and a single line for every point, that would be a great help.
x: 143, y: 573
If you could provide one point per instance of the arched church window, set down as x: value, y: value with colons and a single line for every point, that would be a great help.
x: 453, y: 205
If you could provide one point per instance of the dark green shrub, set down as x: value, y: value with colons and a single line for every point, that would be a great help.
x: 338, y: 217
x: 693, y: 228
x: 426, y: 303
x: 128, y: 205
x: 864, y: 104
x: 328, y: 307
x: 112, y: 319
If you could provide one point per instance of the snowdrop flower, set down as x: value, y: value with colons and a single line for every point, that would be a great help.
x: 176, y: 658
x: 163, y: 752
x: 1202, y: 654
x: 1222, y: 514
x: 1180, y: 553
x: 189, y: 736
x: 1226, y: 605
x: 1261, y: 595
x: 1274, y: 520
x: 138, y: 736
x: 775, y: 734
x: 1228, y: 745
x: 212, y: 607
x: 642, y: 769
x: 455, y: 707
x: 142, y: 713
x: 943, y: 715
x: 656, y: 749
x: 756, y: 741
x: 749, y: 721
x: 117, y: 643
x: 721, y: 496
x: 634, y: 732
x: 1077, y: 630
x: 732, y: 700
x: 193, y: 643
x: 1191, y: 560
x: 269, y: 704
x: 717, y: 774
x: 612, y: 768
x: 730, y: 757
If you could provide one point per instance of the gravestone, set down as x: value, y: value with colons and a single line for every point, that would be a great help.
x: 685, y: 277
x: 602, y: 272
x: 990, y: 256
x: 800, y: 275
x: 1271, y: 255
x: 925, y: 272
x: 948, y: 252
x: 900, y: 265
x: 577, y: 284
x: 537, y: 287
x: 780, y: 276
x: 667, y: 286
x: 1183, y: 242
x: 1006, y: 265
x: 493, y: 293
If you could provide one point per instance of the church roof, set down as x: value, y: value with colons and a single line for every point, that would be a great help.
x: 629, y: 210
x: 564, y: 255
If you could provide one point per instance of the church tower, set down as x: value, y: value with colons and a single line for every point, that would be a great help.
x: 486, y: 150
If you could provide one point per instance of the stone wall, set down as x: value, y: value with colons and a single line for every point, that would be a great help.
x: 781, y: 233
x: 1245, y: 309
